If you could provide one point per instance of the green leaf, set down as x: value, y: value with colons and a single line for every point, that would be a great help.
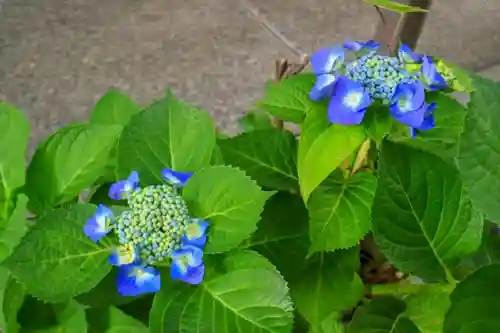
x: 394, y: 6
x: 479, y: 150
x: 427, y: 310
x: 249, y: 296
x: 217, y: 158
x: 443, y: 139
x: 11, y: 298
x: 168, y: 134
x: 332, y: 324
x: 282, y: 235
x: 422, y: 217
x: 14, y: 134
x: 229, y: 200
x: 377, y: 122
x: 55, y: 260
x: 382, y: 314
x: 114, y: 108
x: 475, y: 303
x: 340, y: 212
x: 461, y: 79
x: 328, y: 286
x: 289, y: 99
x: 113, y: 320
x: 322, y: 148
x: 68, y: 162
x: 15, y: 229
x: 255, y: 120
x: 268, y: 156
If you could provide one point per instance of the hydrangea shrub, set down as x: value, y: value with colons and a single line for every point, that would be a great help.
x: 378, y: 215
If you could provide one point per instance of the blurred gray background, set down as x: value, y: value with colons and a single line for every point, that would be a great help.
x: 57, y: 57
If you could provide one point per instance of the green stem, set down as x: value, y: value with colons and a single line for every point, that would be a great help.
x: 402, y: 289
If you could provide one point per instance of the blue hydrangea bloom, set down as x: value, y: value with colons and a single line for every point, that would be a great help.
x: 156, y: 229
x: 357, y: 46
x: 408, y: 104
x: 430, y: 75
x: 428, y: 122
x: 407, y: 56
x: 325, y: 63
x: 349, y: 102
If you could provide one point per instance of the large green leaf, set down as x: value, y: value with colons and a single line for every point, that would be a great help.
x: 395, y: 6
x: 68, y: 162
x: 282, y: 235
x: 383, y: 314
x: 328, y: 286
x: 229, y: 200
x: 55, y: 260
x: 15, y: 229
x: 14, y: 134
x: 113, y: 320
x: 427, y: 310
x: 11, y: 298
x: 114, y: 108
x: 268, y: 156
x: 248, y: 296
x: 443, y: 139
x: 479, y: 150
x: 422, y: 217
x: 475, y: 303
x: 322, y: 148
x: 168, y: 134
x: 289, y: 99
x: 340, y: 212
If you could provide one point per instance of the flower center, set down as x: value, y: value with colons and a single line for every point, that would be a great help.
x: 353, y: 99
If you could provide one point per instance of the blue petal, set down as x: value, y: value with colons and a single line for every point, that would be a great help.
x: 407, y: 56
x: 327, y: 60
x: 413, y: 132
x: 176, y: 178
x: 134, y: 280
x: 123, y: 255
x: 122, y: 189
x: 428, y: 122
x: 412, y: 118
x: 98, y: 225
x: 199, y: 242
x: 356, y: 46
x: 191, y: 275
x: 348, y: 103
x: 190, y: 255
x: 431, y: 76
x: 323, y: 87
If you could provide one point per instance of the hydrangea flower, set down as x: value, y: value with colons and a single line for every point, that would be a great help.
x: 399, y: 82
x: 155, y: 230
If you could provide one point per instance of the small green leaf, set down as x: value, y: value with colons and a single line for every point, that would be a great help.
x: 14, y: 134
x: 382, y: 314
x: 15, y: 229
x: 113, y: 320
x: 255, y: 120
x: 11, y: 298
x: 461, y: 79
x: 229, y: 200
x: 422, y: 217
x: 70, y: 318
x: 328, y: 286
x: 114, y: 108
x: 377, y: 122
x: 394, y: 6
x: 289, y: 99
x: 443, y: 139
x: 322, y: 148
x: 68, y: 162
x: 340, y: 212
x: 268, y: 156
x: 168, y: 134
x: 55, y: 260
x: 479, y: 150
x: 248, y: 296
x: 282, y: 235
x: 475, y: 303
x: 427, y: 310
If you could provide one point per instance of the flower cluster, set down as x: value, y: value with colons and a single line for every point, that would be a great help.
x: 399, y: 82
x: 155, y: 230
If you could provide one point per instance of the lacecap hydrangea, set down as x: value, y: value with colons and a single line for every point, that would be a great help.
x: 400, y: 82
x: 155, y: 230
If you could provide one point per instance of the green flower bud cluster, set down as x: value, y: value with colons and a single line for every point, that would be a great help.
x: 155, y: 223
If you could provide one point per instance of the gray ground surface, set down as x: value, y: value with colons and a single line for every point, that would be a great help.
x: 58, y: 56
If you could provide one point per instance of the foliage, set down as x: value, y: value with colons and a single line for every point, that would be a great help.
x: 377, y: 216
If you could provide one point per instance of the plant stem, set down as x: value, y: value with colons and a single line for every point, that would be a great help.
x: 401, y: 289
